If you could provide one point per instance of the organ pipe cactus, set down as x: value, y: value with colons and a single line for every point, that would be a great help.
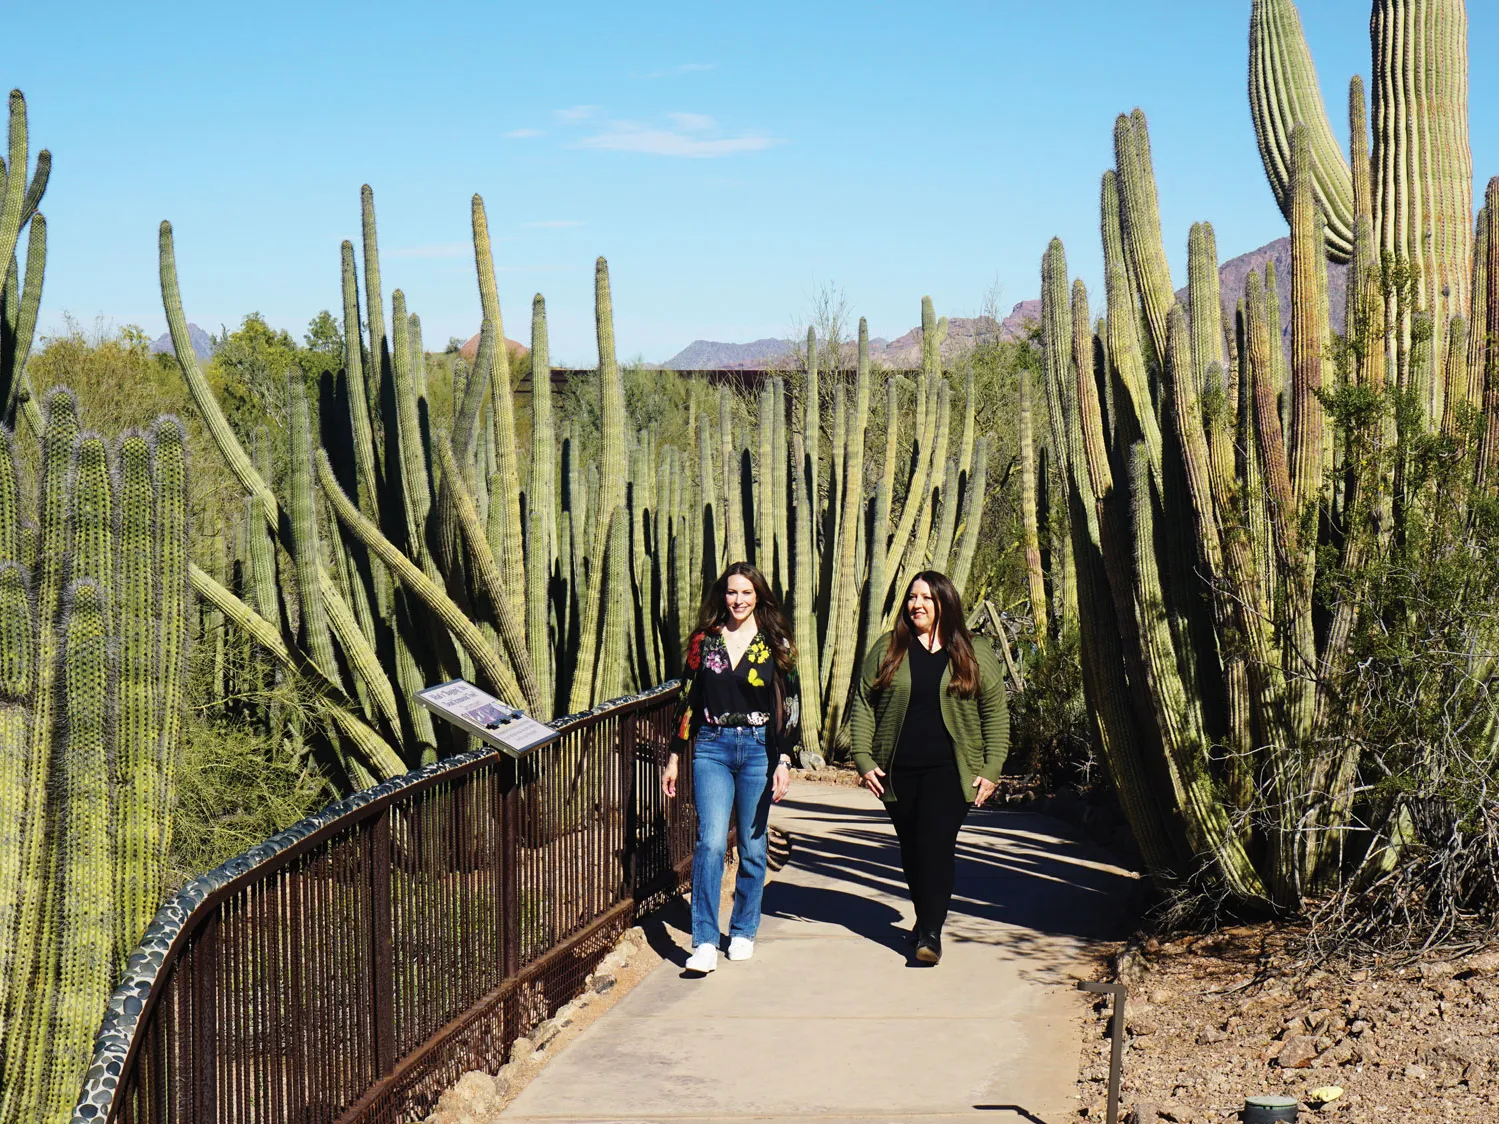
x: 96, y: 619
x: 1210, y: 529
x: 23, y: 289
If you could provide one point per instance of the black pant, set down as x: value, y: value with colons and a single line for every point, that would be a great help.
x: 928, y: 812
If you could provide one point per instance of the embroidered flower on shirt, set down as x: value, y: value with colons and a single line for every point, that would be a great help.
x: 695, y: 651
x: 716, y: 658
x: 758, y: 652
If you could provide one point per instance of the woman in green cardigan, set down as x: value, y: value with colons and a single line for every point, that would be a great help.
x: 930, y: 730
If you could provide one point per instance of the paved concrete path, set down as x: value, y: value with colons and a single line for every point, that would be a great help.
x: 829, y: 1023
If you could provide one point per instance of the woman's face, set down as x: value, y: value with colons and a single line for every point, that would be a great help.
x: 739, y: 598
x: 921, y: 607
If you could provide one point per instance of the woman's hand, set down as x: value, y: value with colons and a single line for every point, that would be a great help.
x: 986, y: 789
x: 871, y: 781
x: 779, y: 783
x: 669, y: 777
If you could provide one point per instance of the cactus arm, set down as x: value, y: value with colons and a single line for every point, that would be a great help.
x: 1035, y: 578
x: 365, y: 463
x: 464, y: 631
x: 86, y: 963
x: 781, y: 490
x: 10, y: 501
x: 13, y: 195
x: 176, y: 601
x: 916, y: 494
x: 1140, y: 221
x: 338, y: 708
x: 612, y: 661
x: 844, y: 616
x: 416, y: 484
x: 138, y: 725
x: 377, y: 366
x: 611, y: 488
x: 1124, y: 348
x: 17, y: 681
x: 972, y: 518
x: 202, y: 394
x: 733, y: 509
x: 1489, y: 454
x: 812, y: 435
x: 1205, y: 301
x: 947, y: 519
x: 306, y: 545
x: 361, y: 655
x: 17, y: 343
x: 1307, y: 342
x: 765, y: 459
x: 804, y: 624
x: 502, y: 417
x: 965, y: 449
x: 523, y: 684
x: 475, y: 388
x: 542, y: 553
x: 1283, y: 92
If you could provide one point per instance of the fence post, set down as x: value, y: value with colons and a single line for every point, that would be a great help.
x: 205, y: 1027
x: 630, y: 767
x: 510, y: 919
x: 382, y: 960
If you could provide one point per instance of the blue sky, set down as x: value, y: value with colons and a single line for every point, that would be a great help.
x: 727, y: 159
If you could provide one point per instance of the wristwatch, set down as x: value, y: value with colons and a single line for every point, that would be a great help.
x: 785, y: 761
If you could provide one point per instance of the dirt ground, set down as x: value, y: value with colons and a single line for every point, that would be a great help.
x: 1212, y: 1019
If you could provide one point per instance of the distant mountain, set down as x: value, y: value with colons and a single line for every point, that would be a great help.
x: 904, y: 352
x: 202, y: 342
x: 1232, y: 275
x: 705, y: 355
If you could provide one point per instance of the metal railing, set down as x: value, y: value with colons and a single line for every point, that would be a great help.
x: 352, y: 967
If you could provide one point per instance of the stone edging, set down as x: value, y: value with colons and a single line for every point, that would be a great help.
x: 123, y: 1013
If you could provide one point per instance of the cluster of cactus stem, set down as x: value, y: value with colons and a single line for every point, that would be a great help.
x: 1215, y: 499
x: 421, y: 548
x: 94, y: 627
x: 1409, y: 199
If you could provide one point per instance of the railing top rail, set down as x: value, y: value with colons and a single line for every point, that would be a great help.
x: 179, y: 918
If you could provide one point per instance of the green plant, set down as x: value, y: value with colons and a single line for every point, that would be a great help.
x: 95, y: 615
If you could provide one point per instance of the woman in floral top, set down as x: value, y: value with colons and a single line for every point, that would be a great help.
x: 741, y: 714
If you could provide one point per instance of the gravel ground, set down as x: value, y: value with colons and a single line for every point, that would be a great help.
x: 1215, y: 1018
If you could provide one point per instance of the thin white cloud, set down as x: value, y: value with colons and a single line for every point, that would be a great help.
x: 553, y: 223
x: 523, y: 134
x: 576, y: 113
x: 437, y: 250
x: 693, y: 122
x: 631, y: 136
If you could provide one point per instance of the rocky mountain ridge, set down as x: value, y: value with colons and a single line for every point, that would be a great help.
x: 963, y: 333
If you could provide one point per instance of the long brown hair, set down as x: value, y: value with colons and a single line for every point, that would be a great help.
x: 952, y: 630
x: 768, y: 612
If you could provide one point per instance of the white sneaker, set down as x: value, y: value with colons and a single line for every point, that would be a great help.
x: 741, y: 948
x: 704, y: 959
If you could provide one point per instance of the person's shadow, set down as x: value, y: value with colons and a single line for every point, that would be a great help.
x: 873, y: 920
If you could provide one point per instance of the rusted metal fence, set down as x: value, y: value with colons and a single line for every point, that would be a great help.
x: 351, y: 968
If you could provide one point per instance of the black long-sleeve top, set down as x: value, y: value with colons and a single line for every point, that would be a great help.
x: 755, y: 693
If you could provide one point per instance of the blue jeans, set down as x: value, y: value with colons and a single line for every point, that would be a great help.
x: 730, y: 775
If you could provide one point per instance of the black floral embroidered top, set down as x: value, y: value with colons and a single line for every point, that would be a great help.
x: 755, y: 693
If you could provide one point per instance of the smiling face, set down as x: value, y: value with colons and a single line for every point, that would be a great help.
x: 921, y: 607
x: 739, y: 598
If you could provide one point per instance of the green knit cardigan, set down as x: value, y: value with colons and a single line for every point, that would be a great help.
x: 980, y: 726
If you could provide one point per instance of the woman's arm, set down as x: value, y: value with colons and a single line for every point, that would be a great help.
x: 994, y: 714
x: 861, y: 710
x: 684, y: 722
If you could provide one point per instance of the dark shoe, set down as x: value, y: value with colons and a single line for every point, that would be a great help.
x: 929, y: 946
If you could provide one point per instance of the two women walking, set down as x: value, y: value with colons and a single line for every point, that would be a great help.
x: 930, y: 731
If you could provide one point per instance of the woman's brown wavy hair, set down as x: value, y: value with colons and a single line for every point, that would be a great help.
x: 952, y: 630
x: 768, y: 612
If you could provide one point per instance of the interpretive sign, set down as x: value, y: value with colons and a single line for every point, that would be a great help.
x: 481, y: 714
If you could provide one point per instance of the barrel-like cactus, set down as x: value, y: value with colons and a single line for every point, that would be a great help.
x: 95, y: 622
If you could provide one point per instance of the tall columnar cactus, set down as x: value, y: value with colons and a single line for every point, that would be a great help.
x: 23, y: 291
x: 1418, y: 185
x: 94, y: 630
x: 1216, y: 509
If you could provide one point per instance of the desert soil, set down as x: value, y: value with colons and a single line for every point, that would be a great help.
x: 1215, y: 1018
